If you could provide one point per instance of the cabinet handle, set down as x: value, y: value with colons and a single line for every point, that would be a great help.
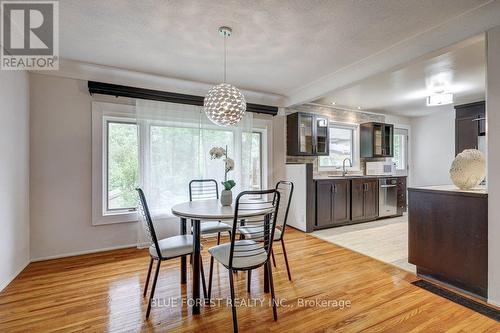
x: 335, y: 189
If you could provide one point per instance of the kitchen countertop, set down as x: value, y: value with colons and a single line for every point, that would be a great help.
x: 353, y: 176
x: 480, y: 190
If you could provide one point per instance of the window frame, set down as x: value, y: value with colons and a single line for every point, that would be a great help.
x: 355, y: 147
x: 103, y: 112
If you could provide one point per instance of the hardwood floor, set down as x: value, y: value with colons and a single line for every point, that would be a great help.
x: 103, y: 293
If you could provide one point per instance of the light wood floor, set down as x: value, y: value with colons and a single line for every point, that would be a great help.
x: 385, y: 240
x: 102, y: 292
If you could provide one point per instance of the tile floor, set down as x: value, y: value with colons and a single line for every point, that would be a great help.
x: 385, y: 240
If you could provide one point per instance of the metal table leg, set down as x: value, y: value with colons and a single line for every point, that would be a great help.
x: 183, y: 258
x: 196, y: 266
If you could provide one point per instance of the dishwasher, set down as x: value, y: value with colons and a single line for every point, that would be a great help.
x: 387, y: 197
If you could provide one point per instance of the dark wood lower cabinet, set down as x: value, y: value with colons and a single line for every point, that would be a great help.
x: 448, y: 237
x: 332, y: 202
x: 402, y: 206
x: 364, y: 203
x: 351, y: 200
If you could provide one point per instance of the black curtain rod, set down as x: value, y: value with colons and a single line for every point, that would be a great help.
x: 164, y: 96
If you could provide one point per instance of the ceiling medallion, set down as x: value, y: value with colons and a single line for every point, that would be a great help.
x: 224, y: 104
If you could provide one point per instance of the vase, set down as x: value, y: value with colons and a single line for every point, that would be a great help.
x: 468, y: 169
x: 226, y: 198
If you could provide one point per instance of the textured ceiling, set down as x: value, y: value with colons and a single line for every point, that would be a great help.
x: 460, y: 69
x: 277, y: 46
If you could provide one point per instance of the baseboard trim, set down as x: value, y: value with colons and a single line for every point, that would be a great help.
x: 77, y: 253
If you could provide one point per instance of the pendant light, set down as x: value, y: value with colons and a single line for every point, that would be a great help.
x: 224, y: 104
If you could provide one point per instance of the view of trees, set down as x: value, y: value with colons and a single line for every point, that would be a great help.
x: 176, y: 156
x: 123, y: 165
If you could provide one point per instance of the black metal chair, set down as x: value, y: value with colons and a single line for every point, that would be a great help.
x: 163, y: 249
x: 259, y: 216
x: 285, y: 188
x: 203, y: 189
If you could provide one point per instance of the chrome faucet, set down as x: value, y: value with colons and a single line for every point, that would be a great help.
x: 344, y: 171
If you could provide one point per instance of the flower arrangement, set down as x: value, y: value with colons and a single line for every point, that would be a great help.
x: 218, y: 153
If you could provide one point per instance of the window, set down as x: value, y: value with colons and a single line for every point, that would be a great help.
x: 165, y: 156
x: 400, y: 149
x: 122, y: 165
x: 255, y: 173
x: 344, y: 143
x: 176, y: 157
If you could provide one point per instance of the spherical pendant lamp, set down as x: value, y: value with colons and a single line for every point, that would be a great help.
x: 224, y: 104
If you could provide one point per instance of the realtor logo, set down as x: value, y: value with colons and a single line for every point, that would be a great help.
x: 30, y: 35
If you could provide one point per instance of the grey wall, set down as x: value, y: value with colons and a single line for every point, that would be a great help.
x: 14, y: 174
x: 60, y: 168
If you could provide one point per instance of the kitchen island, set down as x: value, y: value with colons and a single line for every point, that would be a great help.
x: 448, y: 236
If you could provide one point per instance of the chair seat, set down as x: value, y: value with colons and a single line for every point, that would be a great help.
x: 257, y: 233
x: 173, y: 246
x: 213, y: 227
x: 252, y: 256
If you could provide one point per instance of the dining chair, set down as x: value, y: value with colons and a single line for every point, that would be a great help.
x: 203, y: 189
x: 247, y: 254
x: 285, y: 188
x: 163, y: 249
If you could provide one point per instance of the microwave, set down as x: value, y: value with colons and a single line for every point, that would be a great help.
x: 380, y: 168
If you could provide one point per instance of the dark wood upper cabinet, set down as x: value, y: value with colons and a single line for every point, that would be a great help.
x: 364, y: 199
x: 307, y: 134
x: 377, y: 140
x: 332, y: 202
x: 470, y: 124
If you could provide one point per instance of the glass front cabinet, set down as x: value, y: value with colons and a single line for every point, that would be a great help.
x: 307, y: 135
x: 377, y: 140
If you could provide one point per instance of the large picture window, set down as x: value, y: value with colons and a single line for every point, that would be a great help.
x: 164, y: 155
x: 344, y: 143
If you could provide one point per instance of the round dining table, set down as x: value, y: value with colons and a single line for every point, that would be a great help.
x: 207, y: 210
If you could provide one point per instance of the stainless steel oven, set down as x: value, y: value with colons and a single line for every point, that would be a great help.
x: 387, y: 197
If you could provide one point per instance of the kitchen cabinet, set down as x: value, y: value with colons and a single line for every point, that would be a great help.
x: 364, y: 199
x: 470, y: 124
x: 376, y: 140
x: 332, y: 202
x: 448, y: 237
x: 402, y: 205
x: 307, y: 135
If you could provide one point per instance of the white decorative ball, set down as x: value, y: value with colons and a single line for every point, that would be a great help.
x: 225, y: 105
x: 468, y: 169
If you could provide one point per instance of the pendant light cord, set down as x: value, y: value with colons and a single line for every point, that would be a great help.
x: 225, y: 56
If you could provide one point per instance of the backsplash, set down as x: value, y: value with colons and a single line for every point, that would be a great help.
x: 334, y: 115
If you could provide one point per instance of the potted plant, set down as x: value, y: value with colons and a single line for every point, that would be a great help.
x: 226, y: 197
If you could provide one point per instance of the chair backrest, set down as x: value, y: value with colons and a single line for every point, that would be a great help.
x: 263, y: 205
x: 285, y: 188
x: 145, y: 218
x: 201, y: 189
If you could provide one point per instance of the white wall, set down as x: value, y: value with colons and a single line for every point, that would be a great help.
x: 493, y: 143
x: 60, y: 169
x: 432, y: 142
x: 278, y: 155
x: 14, y: 175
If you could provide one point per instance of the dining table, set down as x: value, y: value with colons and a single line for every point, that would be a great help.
x: 207, y: 210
